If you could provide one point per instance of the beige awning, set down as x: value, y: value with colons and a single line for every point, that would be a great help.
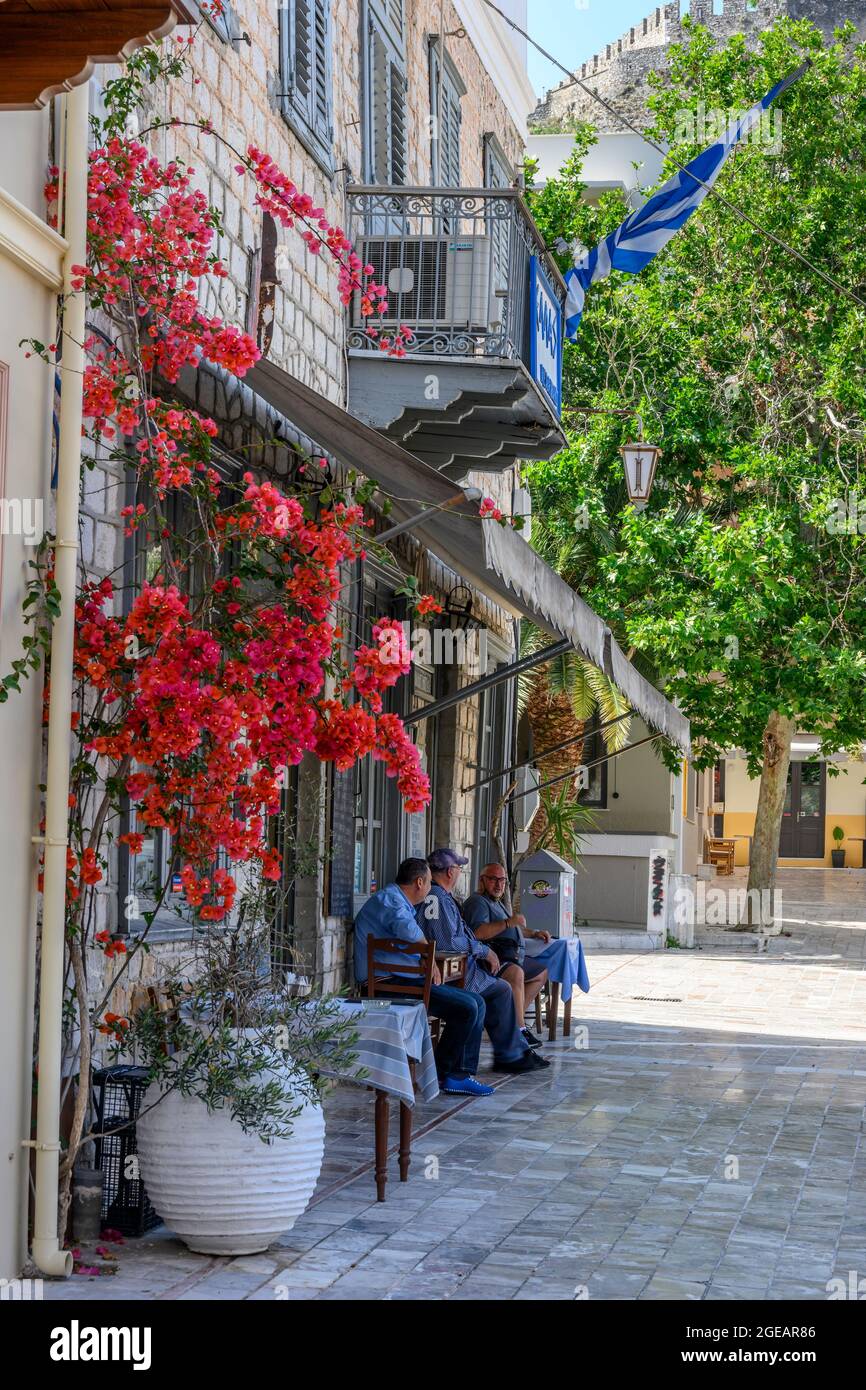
x: 493, y: 558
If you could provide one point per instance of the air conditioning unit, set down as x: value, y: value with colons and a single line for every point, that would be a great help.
x: 438, y: 280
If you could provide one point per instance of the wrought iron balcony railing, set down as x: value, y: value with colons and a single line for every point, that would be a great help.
x: 456, y: 263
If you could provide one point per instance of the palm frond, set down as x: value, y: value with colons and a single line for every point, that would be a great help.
x: 611, y: 704
x: 567, y: 821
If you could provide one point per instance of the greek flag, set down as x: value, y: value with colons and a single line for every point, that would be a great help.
x: 642, y: 235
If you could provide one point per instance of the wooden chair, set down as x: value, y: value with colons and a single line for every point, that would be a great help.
x: 415, y: 979
x: 721, y: 853
x: 416, y: 972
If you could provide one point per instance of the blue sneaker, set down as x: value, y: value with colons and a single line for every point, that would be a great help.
x: 465, y: 1086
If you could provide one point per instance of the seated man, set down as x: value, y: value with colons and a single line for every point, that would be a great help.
x: 391, y: 912
x: 485, y: 913
x: 442, y: 922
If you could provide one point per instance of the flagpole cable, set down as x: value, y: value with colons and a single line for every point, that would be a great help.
x: 763, y: 231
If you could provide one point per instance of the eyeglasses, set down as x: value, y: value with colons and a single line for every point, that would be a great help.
x: 490, y: 879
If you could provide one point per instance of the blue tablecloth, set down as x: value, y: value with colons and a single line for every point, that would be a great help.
x: 564, y: 961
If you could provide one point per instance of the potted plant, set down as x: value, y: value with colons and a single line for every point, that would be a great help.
x: 231, y: 1133
x: 837, y: 855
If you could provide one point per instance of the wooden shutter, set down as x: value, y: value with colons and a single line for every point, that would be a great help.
x: 446, y: 141
x: 386, y: 97
x: 306, y: 57
x: 497, y: 174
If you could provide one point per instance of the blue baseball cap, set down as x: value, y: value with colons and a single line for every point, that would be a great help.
x: 442, y: 859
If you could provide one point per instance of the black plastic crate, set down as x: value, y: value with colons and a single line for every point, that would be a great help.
x: 117, y: 1097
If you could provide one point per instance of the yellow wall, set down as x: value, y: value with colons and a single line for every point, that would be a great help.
x: 846, y: 806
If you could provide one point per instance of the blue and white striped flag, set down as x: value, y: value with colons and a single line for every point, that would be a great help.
x: 643, y: 234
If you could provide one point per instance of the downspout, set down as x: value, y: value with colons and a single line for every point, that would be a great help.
x: 47, y: 1252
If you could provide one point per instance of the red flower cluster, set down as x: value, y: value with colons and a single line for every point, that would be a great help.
x: 213, y: 716
x: 108, y: 947
x: 427, y: 604
x: 197, y: 705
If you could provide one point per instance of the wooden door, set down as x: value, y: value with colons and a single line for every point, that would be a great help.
x: 802, y: 835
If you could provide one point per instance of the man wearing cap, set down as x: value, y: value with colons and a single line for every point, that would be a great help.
x: 441, y: 920
x: 485, y: 913
x: 391, y: 913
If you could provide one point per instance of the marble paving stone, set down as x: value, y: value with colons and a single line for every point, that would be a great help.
x: 608, y: 1176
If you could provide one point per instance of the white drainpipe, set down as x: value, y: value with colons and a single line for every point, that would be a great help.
x: 47, y: 1252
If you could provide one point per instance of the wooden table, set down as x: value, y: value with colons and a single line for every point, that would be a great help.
x: 395, y: 1053
x: 572, y: 971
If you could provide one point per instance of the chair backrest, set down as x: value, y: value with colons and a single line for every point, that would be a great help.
x: 715, y: 844
x: 415, y: 972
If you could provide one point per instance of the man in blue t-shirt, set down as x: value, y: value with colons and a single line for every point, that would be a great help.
x: 442, y: 921
x: 504, y: 932
x: 391, y: 913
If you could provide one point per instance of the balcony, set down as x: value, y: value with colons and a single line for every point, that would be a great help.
x: 467, y: 271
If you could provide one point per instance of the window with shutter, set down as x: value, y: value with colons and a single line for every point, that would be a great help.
x: 305, y: 60
x: 498, y: 173
x: 225, y: 24
x: 385, y: 94
x: 446, y: 89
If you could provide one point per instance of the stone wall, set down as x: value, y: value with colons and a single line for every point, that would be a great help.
x: 235, y: 88
x: 618, y: 72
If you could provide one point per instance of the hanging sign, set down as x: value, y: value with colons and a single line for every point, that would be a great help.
x: 545, y: 335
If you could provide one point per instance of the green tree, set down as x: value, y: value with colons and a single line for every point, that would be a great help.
x: 737, y: 582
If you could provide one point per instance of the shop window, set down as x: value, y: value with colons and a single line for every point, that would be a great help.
x: 494, y: 751
x: 594, y: 794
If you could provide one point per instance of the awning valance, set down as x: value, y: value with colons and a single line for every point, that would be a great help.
x: 494, y: 559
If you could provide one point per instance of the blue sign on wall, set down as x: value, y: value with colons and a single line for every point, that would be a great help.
x: 545, y: 335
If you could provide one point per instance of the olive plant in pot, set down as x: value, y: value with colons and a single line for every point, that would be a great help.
x: 837, y: 855
x: 231, y: 1134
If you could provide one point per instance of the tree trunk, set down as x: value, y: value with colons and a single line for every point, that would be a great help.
x: 552, y: 720
x: 771, y: 803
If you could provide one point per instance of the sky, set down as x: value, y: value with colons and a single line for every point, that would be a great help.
x: 574, y: 30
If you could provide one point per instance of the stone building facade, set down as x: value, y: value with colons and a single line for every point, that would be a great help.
x: 240, y: 85
x: 618, y: 72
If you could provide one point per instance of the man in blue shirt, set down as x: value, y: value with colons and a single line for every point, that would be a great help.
x: 485, y: 913
x: 442, y: 921
x: 391, y: 913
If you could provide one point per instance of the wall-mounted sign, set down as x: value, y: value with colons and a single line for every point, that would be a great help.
x: 545, y: 335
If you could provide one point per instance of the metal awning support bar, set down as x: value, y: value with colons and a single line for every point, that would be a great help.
x: 470, y: 494
x: 557, y: 747
x: 504, y: 673
x: 564, y: 776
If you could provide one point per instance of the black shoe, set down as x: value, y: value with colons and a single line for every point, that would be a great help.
x: 530, y: 1038
x: 530, y: 1061
x: 537, y: 1060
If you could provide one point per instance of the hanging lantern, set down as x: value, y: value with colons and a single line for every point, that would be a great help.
x: 639, y: 461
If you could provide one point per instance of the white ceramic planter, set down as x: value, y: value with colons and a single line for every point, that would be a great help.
x: 223, y: 1191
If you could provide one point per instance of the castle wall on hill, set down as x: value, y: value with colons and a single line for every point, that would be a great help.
x: 618, y: 72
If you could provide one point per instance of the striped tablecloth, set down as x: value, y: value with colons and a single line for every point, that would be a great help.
x: 564, y: 960
x: 387, y: 1039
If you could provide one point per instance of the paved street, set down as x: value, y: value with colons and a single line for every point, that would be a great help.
x: 704, y: 1143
